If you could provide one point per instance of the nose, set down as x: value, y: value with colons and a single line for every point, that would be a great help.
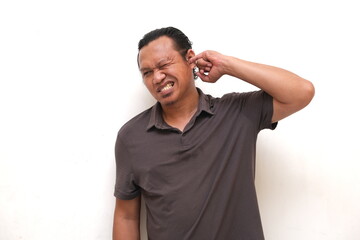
x: 159, y: 76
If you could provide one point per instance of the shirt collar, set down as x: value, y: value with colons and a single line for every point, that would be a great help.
x: 156, y: 119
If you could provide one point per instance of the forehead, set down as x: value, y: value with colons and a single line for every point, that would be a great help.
x: 157, y: 50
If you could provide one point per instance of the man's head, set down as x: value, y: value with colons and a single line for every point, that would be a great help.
x: 181, y: 42
x: 163, y: 61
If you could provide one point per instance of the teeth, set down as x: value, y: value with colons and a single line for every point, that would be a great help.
x: 167, y: 87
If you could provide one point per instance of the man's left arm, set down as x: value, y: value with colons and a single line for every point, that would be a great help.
x: 290, y: 92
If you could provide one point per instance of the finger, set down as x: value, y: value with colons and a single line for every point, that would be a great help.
x: 196, y: 57
x: 204, y: 71
x: 203, y: 77
x: 207, y: 69
x: 201, y: 63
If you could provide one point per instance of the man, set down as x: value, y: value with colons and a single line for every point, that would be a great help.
x: 191, y: 156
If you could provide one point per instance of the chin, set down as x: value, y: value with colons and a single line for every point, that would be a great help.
x: 169, y: 103
x: 167, y: 100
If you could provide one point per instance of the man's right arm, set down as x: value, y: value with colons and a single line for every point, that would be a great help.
x: 127, y: 219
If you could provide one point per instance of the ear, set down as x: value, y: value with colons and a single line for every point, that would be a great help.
x: 190, y: 53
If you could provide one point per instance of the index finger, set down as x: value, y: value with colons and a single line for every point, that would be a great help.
x: 195, y: 58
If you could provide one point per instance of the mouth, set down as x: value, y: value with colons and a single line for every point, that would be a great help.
x: 166, y: 87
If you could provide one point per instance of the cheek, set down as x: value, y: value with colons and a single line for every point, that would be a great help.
x: 183, y: 72
x: 147, y: 82
x: 148, y: 86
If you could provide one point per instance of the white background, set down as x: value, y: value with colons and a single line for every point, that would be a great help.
x: 69, y: 81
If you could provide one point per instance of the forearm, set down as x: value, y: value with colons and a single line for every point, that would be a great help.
x: 127, y: 219
x: 282, y: 85
x: 126, y: 229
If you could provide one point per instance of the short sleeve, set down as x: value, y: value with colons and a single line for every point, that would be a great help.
x: 125, y: 186
x: 267, y: 111
x: 257, y: 106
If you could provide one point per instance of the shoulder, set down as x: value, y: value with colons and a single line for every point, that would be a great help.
x: 243, y: 98
x: 243, y: 95
x: 136, y: 124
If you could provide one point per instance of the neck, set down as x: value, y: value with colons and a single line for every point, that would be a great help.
x: 179, y: 114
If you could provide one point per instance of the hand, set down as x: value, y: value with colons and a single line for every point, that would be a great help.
x: 210, y: 64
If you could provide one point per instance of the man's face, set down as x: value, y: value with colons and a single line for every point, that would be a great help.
x: 166, y: 74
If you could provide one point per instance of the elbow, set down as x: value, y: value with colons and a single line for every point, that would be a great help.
x: 300, y: 96
x: 308, y: 93
x: 304, y: 94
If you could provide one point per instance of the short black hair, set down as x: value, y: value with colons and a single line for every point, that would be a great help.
x: 181, y: 42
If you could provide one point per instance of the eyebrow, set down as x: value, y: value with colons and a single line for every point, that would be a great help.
x: 145, y: 69
x: 163, y: 61
x: 158, y: 64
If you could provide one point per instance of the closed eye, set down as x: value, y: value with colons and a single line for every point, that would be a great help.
x: 145, y: 73
x: 165, y: 65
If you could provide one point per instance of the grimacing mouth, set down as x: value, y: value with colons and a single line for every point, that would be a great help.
x: 165, y: 87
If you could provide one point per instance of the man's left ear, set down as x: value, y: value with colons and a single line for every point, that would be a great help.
x: 190, y: 53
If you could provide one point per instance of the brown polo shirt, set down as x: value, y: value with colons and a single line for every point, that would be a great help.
x: 197, y: 184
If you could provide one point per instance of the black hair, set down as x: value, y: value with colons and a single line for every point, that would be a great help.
x: 181, y: 42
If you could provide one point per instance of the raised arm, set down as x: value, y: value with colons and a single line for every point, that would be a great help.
x: 127, y: 219
x: 290, y: 92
